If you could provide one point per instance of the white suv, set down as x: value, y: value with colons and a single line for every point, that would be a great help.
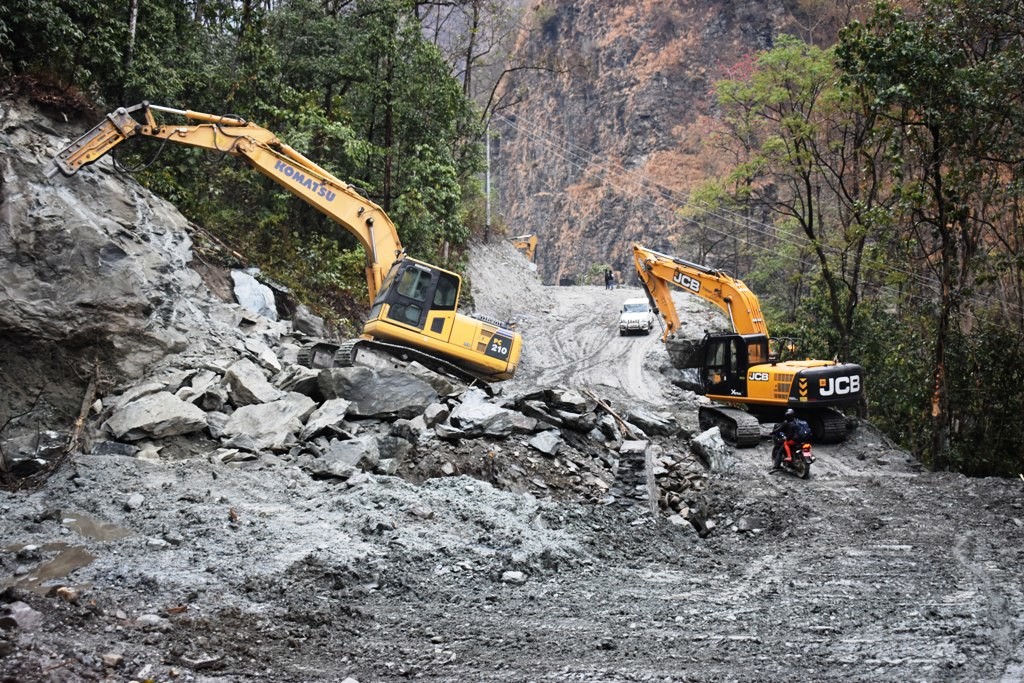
x: 635, y: 316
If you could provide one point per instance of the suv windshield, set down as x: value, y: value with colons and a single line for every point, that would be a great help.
x: 635, y: 308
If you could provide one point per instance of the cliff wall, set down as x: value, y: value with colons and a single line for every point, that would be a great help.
x: 600, y: 150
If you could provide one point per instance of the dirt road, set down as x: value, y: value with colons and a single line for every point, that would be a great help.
x: 571, y: 334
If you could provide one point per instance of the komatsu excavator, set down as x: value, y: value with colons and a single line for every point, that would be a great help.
x: 744, y: 368
x: 414, y: 312
x: 526, y: 244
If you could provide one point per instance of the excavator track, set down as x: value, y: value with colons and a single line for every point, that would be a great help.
x: 344, y: 355
x: 738, y: 427
x: 828, y: 425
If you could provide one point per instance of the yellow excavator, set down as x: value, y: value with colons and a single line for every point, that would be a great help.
x: 414, y: 312
x: 745, y: 369
x: 526, y: 244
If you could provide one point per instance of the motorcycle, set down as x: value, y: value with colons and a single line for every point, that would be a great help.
x: 800, y: 466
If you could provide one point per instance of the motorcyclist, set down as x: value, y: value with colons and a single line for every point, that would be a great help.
x: 784, y: 437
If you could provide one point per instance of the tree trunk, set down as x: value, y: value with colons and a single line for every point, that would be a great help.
x: 133, y: 20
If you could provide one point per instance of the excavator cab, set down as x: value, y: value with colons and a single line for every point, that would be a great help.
x: 727, y: 358
x: 416, y: 309
x: 414, y: 293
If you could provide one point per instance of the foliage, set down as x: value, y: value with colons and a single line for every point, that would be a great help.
x: 989, y: 367
x: 784, y: 122
x: 947, y: 86
x: 890, y: 167
x: 354, y: 86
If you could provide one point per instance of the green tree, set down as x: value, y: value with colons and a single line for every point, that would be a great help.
x: 947, y: 83
x: 804, y: 157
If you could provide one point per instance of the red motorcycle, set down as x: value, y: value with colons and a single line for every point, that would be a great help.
x: 800, y: 465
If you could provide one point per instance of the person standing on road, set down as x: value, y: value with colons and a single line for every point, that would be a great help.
x: 607, y: 278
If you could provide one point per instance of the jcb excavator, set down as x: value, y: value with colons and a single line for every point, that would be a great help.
x: 744, y: 368
x: 526, y: 244
x: 414, y: 314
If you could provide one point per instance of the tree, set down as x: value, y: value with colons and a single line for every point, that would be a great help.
x: 947, y: 83
x: 797, y: 146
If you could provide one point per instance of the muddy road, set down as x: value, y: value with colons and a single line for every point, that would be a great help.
x: 871, y: 570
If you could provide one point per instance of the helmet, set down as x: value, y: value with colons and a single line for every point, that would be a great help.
x: 790, y: 412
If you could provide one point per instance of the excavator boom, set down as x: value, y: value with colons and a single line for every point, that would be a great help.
x: 264, y: 152
x: 527, y: 244
x: 657, y: 271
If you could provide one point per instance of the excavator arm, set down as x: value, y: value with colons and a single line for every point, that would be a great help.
x: 527, y: 244
x: 657, y: 271
x: 264, y: 152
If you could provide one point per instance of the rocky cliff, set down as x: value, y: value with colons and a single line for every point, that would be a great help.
x: 601, y: 148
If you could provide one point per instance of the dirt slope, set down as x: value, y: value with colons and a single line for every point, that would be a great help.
x: 185, y: 570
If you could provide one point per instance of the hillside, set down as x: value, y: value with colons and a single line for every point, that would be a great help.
x: 640, y: 74
x: 561, y: 530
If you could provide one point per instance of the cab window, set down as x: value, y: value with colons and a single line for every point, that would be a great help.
x: 447, y: 292
x: 415, y: 284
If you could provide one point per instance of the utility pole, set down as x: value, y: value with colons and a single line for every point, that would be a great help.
x: 487, y: 184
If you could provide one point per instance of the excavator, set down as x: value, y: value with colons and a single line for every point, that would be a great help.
x: 414, y: 313
x: 743, y: 372
x: 526, y: 244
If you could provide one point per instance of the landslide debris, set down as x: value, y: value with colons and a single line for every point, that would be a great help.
x: 186, y: 503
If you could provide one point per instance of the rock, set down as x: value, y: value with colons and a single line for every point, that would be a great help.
x: 411, y: 430
x: 306, y: 322
x: 633, y: 447
x: 152, y: 622
x: 710, y: 446
x: 377, y: 393
x: 435, y: 413
x: 569, y: 400
x: 265, y: 357
x: 421, y: 511
x: 248, y: 385
x: 514, y: 578
x: 254, y: 296
x: 269, y: 426
x: 20, y: 616
x: 394, y: 449
x: 112, y: 660
x: 362, y: 452
x: 104, y: 264
x: 661, y: 424
x: 749, y: 524
x: 547, y: 442
x: 157, y: 415
x: 539, y: 411
x: 523, y: 424
x: 476, y: 416
x: 447, y: 432
x: 442, y: 385
x: 298, y: 378
x: 325, y: 418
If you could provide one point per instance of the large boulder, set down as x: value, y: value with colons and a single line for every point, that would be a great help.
x: 377, y: 392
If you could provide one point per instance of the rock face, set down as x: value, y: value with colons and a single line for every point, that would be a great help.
x: 639, y: 74
x: 89, y: 260
x: 95, y: 284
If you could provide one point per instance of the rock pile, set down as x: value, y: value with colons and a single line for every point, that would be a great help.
x: 153, y: 364
x: 253, y: 409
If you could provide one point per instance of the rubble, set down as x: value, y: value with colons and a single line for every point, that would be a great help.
x: 185, y: 501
